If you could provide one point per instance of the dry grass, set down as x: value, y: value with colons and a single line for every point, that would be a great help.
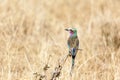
x: 32, y: 35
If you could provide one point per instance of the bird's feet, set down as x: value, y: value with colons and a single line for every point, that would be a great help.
x: 70, y: 53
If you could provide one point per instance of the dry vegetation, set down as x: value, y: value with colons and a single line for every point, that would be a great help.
x: 32, y: 35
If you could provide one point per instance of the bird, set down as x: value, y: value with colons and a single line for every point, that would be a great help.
x: 73, y: 44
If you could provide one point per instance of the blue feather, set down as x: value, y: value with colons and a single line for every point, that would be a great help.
x: 73, y: 51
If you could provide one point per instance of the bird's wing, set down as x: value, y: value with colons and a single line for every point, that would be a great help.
x: 69, y: 43
x: 77, y: 43
x: 73, y: 42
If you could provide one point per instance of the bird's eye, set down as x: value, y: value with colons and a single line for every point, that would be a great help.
x: 71, y: 30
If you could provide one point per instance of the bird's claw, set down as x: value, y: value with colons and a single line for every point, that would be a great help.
x: 70, y: 53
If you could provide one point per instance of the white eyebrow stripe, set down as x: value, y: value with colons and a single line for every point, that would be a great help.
x: 70, y: 28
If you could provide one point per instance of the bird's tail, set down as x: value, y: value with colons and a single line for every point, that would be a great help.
x: 73, y: 51
x: 73, y: 61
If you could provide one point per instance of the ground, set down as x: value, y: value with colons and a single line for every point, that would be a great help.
x: 32, y: 35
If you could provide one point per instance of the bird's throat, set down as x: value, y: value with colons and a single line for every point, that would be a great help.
x: 73, y: 34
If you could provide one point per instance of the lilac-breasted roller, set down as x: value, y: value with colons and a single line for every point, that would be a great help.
x: 73, y: 43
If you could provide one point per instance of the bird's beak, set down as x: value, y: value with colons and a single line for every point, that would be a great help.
x: 67, y: 29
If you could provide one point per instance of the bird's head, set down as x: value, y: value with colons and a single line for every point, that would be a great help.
x: 72, y: 31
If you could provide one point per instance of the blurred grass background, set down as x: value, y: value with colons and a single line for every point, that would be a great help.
x: 32, y: 34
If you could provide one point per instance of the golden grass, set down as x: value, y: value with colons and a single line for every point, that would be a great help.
x: 32, y: 35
